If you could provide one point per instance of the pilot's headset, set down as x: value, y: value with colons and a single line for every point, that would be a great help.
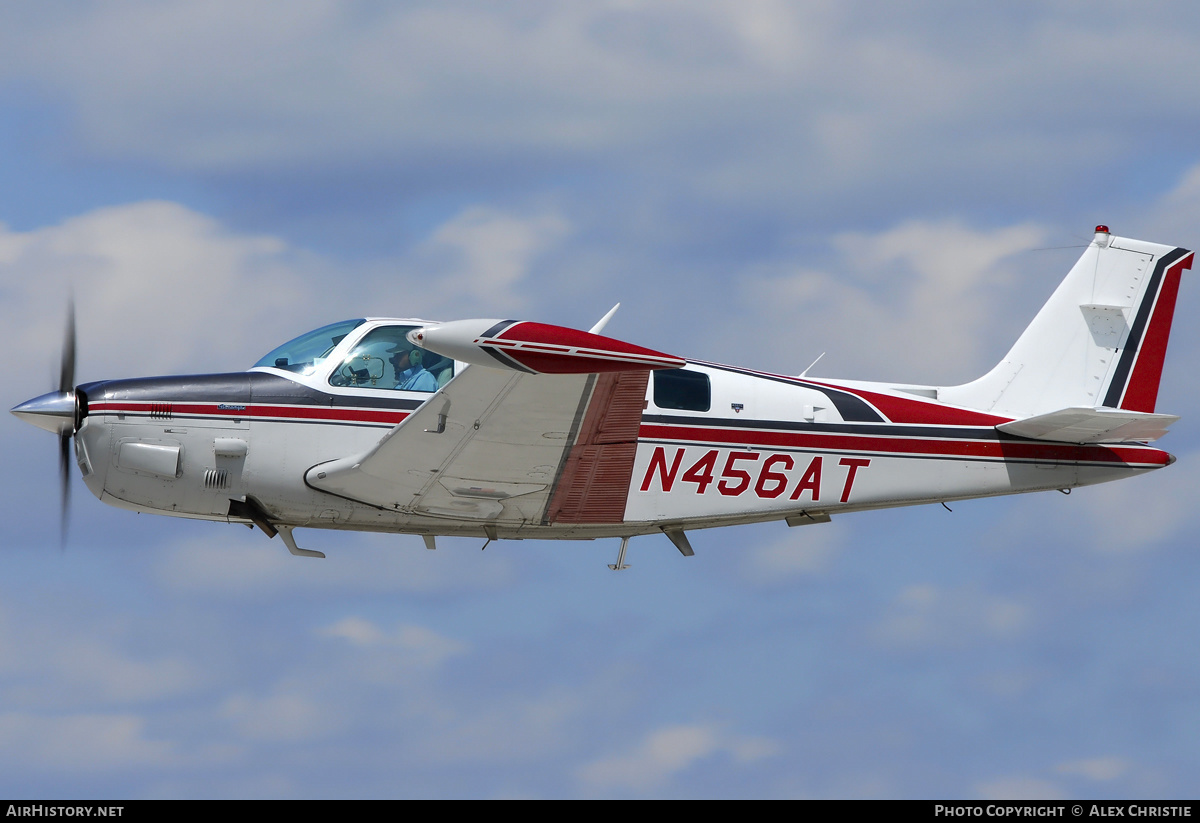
x: 414, y: 354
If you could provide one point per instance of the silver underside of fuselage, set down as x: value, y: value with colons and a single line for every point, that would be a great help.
x: 116, y: 456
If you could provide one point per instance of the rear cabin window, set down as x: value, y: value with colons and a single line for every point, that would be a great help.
x: 682, y: 389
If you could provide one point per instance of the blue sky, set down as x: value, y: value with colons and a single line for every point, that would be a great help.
x: 757, y: 183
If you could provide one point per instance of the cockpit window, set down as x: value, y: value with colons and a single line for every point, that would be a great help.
x: 306, y: 353
x: 384, y: 359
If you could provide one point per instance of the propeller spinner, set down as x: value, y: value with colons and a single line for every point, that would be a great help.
x: 57, y: 412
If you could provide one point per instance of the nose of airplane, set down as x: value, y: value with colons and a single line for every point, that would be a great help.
x: 53, y: 411
x: 57, y: 412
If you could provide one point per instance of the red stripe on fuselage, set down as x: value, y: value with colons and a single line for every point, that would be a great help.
x: 905, y: 410
x: 900, y: 446
x: 912, y: 410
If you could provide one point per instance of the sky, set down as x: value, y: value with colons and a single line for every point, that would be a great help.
x: 897, y: 186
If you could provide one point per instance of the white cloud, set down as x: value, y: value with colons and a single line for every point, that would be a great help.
x: 235, y: 561
x: 419, y: 645
x: 480, y: 258
x: 60, y: 662
x: 733, y: 93
x: 1100, y: 769
x: 660, y: 756
x: 912, y: 303
x: 229, y: 85
x: 926, y: 615
x: 79, y: 743
x: 1019, y: 788
x: 157, y: 287
x: 510, y: 728
x: 161, y: 289
x: 667, y: 752
x: 1176, y: 215
x: 286, y: 716
x: 113, y: 676
x: 802, y: 552
x: 358, y: 631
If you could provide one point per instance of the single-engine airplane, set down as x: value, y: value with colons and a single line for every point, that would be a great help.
x: 503, y: 429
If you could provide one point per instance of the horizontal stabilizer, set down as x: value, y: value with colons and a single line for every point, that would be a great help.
x: 1084, y: 425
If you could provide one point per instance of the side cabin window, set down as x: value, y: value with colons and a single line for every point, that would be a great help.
x: 682, y: 389
x: 384, y: 359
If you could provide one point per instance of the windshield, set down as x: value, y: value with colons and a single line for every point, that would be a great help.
x: 304, y: 354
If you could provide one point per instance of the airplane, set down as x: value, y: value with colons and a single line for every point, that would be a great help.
x: 503, y: 429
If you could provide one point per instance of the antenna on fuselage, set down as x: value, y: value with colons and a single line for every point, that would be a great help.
x: 810, y: 365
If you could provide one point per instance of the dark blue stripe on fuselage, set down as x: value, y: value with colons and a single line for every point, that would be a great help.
x: 238, y: 387
x: 850, y: 406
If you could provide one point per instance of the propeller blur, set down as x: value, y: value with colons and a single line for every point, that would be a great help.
x: 57, y: 412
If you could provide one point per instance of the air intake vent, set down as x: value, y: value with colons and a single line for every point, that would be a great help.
x: 216, y: 479
x: 160, y: 411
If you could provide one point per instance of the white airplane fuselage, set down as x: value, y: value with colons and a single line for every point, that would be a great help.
x: 750, y: 457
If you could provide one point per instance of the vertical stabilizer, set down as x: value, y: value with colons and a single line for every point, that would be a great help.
x: 1099, y: 342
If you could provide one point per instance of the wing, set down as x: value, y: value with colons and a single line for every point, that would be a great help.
x: 505, y: 445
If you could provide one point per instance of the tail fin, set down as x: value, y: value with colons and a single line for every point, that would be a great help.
x: 1099, y: 342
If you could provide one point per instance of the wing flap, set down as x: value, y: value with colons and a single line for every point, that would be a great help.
x: 1091, y: 425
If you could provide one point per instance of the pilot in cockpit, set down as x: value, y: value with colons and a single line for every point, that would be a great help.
x: 411, y: 375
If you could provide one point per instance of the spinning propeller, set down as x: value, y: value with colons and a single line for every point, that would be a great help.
x: 57, y: 412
